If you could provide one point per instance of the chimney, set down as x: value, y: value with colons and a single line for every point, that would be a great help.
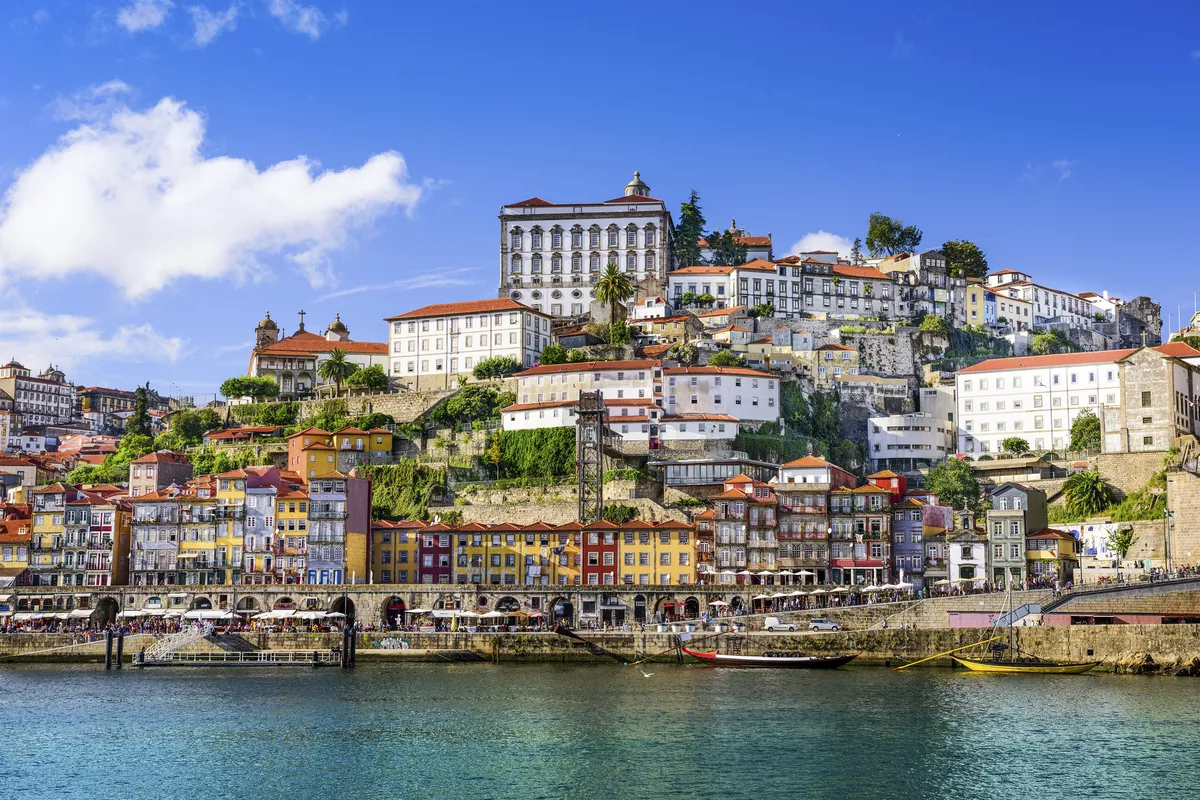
x: 1105, y: 293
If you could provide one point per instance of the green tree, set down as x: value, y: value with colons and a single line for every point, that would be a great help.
x: 618, y: 513
x: 1121, y: 541
x: 1086, y: 494
x: 1085, y: 431
x: 687, y: 299
x: 249, y: 386
x: 725, y: 358
x: 336, y: 369
x: 887, y: 236
x: 964, y: 259
x: 689, y: 231
x: 705, y: 300
x: 762, y: 310
x: 372, y: 378
x: 576, y: 356
x: 1044, y: 344
x: 553, y: 354
x: 847, y: 456
x: 935, y: 325
x: 727, y: 251
x: 856, y: 251
x: 138, y: 423
x: 475, y: 402
x: 374, y: 420
x: 955, y: 484
x: 613, y: 289
x: 495, y: 367
x: 1014, y: 444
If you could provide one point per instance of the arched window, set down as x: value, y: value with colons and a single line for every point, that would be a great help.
x: 516, y: 264
x: 556, y: 237
x: 631, y: 261
x: 614, y: 235
x: 535, y: 237
x: 594, y: 236
x: 577, y: 237
x: 594, y: 259
x: 577, y: 262
x: 649, y: 232
x: 649, y: 260
x: 631, y: 235
x: 614, y: 258
x: 516, y: 238
x: 537, y: 263
x: 556, y: 262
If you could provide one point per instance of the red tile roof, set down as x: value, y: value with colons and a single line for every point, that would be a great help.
x: 702, y: 269
x: 696, y: 417
x: 718, y: 312
x: 1171, y: 349
x: 468, y: 307
x: 749, y: 241
x: 535, y: 406
x: 656, y: 350
x: 162, y: 457
x: 633, y: 198
x: 859, y: 272
x: 308, y: 343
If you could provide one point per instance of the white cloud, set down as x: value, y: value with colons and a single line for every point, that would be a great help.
x: 208, y: 25
x: 93, y: 102
x: 37, y: 339
x: 300, y: 18
x: 131, y: 198
x: 428, y: 280
x: 1054, y: 173
x: 901, y: 47
x: 822, y: 240
x: 143, y: 15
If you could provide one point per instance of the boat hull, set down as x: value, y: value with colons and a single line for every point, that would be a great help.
x: 1028, y: 668
x: 718, y: 659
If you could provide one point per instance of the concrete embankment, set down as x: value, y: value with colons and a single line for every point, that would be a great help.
x: 1172, y: 649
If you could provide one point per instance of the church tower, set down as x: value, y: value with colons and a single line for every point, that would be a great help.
x: 337, y: 330
x: 636, y: 187
x: 266, y: 333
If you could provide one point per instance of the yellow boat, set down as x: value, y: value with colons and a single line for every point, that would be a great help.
x: 1035, y: 667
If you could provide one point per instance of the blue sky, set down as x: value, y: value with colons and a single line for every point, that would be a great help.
x: 352, y: 157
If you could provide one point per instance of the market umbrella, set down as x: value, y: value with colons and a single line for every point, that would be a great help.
x: 806, y: 573
x: 761, y: 597
x: 819, y: 591
x: 494, y: 615
x: 942, y: 582
x: 335, y: 614
x: 838, y: 590
x: 717, y: 603
x: 418, y: 610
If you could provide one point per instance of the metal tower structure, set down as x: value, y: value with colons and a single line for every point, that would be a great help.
x: 591, y: 433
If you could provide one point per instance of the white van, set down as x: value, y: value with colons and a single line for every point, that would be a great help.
x: 776, y: 624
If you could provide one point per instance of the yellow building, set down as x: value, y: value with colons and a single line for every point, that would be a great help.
x: 313, y: 451
x: 762, y: 354
x: 394, y: 549
x: 657, y: 553
x: 230, y: 516
x: 198, y: 520
x: 827, y: 363
x: 15, y: 536
x: 975, y: 305
x: 290, y: 548
x: 1052, y: 554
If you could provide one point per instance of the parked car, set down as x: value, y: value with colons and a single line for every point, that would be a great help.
x: 823, y: 625
x: 776, y: 624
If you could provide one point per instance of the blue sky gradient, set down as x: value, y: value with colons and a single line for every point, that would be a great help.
x: 1061, y: 139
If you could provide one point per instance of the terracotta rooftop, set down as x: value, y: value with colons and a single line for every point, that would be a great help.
x: 308, y: 343
x: 1171, y: 349
x: 468, y: 307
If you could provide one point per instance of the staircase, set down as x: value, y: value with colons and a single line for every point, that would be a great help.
x: 1017, y: 614
x: 232, y: 643
x: 168, y: 644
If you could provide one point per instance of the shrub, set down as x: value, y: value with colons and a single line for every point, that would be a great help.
x: 496, y: 367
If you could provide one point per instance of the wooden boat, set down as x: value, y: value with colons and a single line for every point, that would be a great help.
x: 1034, y: 667
x: 776, y: 660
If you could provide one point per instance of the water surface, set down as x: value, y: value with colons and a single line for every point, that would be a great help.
x: 544, y: 731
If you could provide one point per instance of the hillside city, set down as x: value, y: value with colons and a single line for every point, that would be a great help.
x: 646, y: 401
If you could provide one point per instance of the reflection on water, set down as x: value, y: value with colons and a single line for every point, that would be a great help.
x: 434, y: 731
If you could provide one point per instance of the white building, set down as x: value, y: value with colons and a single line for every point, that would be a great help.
x: 745, y: 394
x: 431, y: 346
x: 1049, y: 305
x: 966, y: 556
x: 655, y: 307
x: 294, y: 361
x: 1038, y: 398
x: 552, y: 254
x: 812, y: 469
x: 1103, y: 304
x: 905, y: 442
x: 45, y: 399
x: 924, y: 285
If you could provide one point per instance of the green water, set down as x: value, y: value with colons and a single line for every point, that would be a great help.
x: 481, y: 731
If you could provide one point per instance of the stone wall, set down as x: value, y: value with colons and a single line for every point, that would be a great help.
x: 1141, y: 314
x: 1128, y: 472
x: 1183, y: 499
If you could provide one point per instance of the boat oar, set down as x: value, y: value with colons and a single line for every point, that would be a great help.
x: 948, y: 652
x: 673, y: 649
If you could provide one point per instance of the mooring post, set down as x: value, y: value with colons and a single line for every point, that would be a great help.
x: 120, y: 648
x: 108, y: 644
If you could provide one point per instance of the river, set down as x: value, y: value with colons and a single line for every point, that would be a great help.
x: 545, y: 731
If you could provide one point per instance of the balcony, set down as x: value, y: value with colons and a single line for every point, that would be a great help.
x: 326, y: 514
x: 802, y: 509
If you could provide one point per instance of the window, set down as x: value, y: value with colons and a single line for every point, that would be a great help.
x: 1148, y: 440
x: 1146, y: 400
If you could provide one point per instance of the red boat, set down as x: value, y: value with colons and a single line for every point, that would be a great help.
x: 772, y: 659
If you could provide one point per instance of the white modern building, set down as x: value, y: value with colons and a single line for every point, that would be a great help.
x: 655, y: 307
x: 905, y: 442
x: 1103, y: 303
x: 552, y: 254
x: 431, y: 346
x: 1143, y: 401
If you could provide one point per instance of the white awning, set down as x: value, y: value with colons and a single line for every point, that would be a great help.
x: 81, y: 613
x: 85, y: 596
x: 129, y: 614
x: 4, y: 598
x: 177, y: 594
x: 25, y: 616
x: 309, y: 614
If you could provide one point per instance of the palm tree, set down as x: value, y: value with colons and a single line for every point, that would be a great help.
x: 336, y: 368
x: 1086, y: 494
x: 613, y: 288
